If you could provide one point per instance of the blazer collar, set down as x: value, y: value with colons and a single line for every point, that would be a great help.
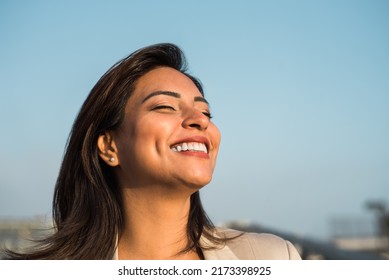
x: 218, y: 253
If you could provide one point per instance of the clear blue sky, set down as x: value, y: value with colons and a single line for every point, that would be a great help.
x: 299, y: 89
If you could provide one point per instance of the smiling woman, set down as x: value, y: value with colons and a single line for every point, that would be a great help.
x: 141, y: 148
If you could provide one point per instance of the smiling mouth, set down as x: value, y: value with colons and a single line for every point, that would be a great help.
x: 190, y: 147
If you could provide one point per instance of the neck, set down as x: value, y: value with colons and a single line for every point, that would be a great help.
x: 155, y: 225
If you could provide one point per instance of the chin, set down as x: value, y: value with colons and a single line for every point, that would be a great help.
x: 198, y: 183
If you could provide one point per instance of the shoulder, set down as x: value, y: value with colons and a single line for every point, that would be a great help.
x: 258, y: 246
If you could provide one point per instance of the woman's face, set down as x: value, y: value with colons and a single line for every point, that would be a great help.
x: 166, y: 137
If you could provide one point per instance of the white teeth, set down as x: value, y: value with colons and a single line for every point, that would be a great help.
x: 196, y: 146
x: 193, y: 147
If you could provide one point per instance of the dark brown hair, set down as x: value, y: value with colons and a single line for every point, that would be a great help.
x: 87, y: 205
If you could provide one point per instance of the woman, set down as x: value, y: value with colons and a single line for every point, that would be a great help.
x: 140, y: 149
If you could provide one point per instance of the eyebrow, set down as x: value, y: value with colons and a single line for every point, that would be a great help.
x: 173, y: 94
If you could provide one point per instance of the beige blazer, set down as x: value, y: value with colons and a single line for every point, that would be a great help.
x: 249, y: 246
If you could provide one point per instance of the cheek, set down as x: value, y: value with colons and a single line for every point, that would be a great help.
x: 156, y: 127
x: 153, y: 133
x: 215, y: 134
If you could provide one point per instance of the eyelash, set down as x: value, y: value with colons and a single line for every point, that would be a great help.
x: 207, y: 114
x: 165, y: 107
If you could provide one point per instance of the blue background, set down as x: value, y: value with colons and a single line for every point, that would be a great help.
x: 299, y: 90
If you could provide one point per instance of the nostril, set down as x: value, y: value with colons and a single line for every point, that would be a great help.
x: 195, y: 125
x: 200, y: 125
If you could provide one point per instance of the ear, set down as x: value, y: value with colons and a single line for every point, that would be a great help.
x: 108, y: 149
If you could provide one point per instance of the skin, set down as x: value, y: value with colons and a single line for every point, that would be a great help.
x: 165, y: 109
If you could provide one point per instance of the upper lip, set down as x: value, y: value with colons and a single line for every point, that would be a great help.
x: 198, y: 139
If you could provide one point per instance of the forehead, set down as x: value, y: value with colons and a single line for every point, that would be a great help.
x: 165, y: 79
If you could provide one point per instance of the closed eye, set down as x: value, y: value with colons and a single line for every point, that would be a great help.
x: 208, y: 115
x: 164, y: 107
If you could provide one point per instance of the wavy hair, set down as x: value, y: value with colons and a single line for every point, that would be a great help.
x: 87, y: 205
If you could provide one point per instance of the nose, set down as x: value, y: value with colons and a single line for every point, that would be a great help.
x: 195, y: 119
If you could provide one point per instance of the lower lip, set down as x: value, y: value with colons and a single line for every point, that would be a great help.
x: 194, y: 154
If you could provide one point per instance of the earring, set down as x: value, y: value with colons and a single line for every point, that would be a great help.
x: 111, y: 159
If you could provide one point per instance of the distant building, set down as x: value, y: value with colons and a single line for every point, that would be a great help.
x: 359, y: 235
x: 311, y: 249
